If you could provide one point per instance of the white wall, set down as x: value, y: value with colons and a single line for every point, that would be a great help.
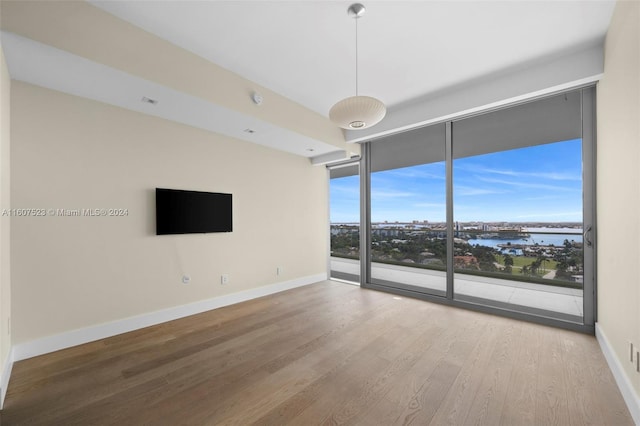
x: 5, y: 221
x: 618, y: 178
x: 75, y: 272
x: 524, y: 82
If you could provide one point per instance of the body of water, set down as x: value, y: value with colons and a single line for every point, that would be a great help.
x: 541, y: 239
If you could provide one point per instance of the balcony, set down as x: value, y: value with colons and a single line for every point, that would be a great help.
x: 545, y: 300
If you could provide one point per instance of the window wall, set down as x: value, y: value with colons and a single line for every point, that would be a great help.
x: 344, y: 204
x: 492, y: 211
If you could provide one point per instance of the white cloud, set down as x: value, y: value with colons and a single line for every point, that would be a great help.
x: 560, y: 176
x: 461, y: 190
x: 391, y: 194
x: 572, y: 214
x: 524, y: 184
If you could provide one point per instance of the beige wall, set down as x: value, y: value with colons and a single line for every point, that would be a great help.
x: 618, y: 186
x: 5, y: 198
x: 74, y: 272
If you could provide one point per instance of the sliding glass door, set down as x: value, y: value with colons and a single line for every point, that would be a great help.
x: 493, y: 212
x: 518, y: 208
x: 408, y: 212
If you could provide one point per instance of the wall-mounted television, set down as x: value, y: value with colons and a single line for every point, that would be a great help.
x: 192, y: 212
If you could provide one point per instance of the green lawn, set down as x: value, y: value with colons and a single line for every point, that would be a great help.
x: 520, y: 261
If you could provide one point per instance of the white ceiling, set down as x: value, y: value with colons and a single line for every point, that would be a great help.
x: 305, y: 50
x: 45, y: 66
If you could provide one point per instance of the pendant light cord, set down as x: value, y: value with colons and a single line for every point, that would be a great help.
x: 356, y: 19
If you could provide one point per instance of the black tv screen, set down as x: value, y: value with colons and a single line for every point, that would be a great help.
x: 192, y: 212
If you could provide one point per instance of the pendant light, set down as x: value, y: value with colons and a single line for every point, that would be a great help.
x: 357, y: 112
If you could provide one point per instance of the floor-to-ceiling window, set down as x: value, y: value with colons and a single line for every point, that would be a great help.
x: 409, y: 212
x: 344, y: 205
x: 518, y: 208
x: 493, y: 211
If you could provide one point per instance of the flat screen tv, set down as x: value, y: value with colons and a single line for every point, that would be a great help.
x: 192, y: 212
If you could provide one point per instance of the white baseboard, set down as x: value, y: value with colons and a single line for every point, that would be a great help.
x: 89, y: 334
x: 345, y: 281
x: 624, y: 384
x: 4, y: 379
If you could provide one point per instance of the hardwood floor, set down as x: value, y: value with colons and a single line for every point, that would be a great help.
x: 329, y: 353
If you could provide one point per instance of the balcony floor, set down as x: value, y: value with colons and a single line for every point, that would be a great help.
x: 497, y: 292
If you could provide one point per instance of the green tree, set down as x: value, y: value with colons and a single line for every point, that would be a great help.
x: 508, y: 264
x: 535, y: 266
x: 486, y: 257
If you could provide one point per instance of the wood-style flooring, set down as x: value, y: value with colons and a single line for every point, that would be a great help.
x: 328, y: 353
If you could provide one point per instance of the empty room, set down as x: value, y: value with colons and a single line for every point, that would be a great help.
x: 319, y: 212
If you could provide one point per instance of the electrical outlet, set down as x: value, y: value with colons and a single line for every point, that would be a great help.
x: 186, y: 279
x: 224, y: 279
x: 279, y: 270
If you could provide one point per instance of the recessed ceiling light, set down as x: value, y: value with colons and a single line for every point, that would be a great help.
x: 149, y: 100
x: 248, y: 130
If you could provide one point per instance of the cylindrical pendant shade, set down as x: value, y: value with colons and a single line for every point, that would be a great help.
x: 357, y: 112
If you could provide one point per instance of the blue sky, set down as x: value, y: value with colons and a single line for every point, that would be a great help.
x: 535, y: 184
